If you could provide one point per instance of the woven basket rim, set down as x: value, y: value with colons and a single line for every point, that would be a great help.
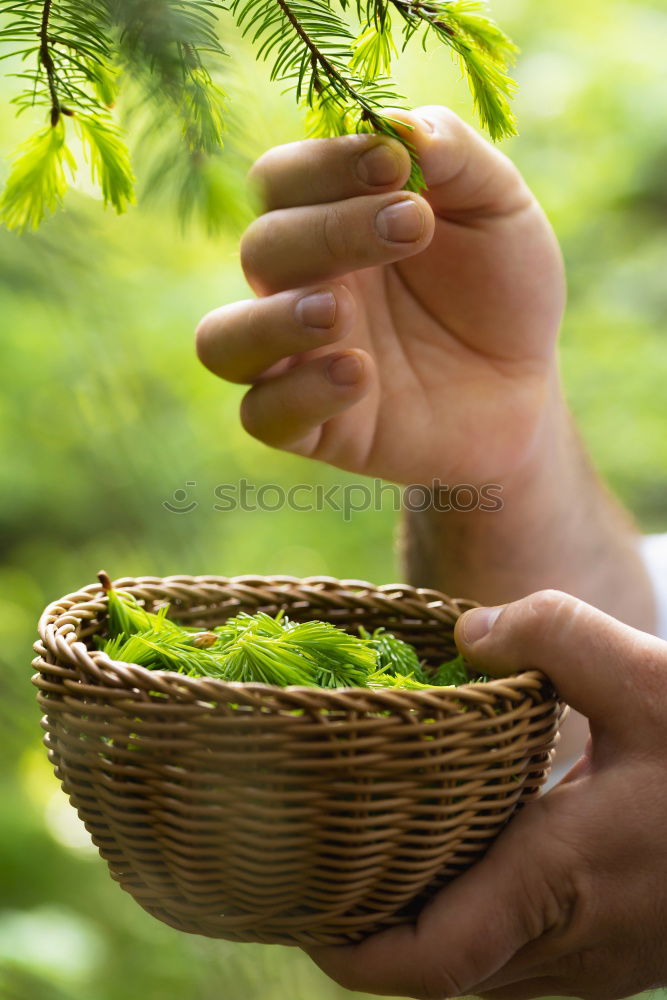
x: 58, y: 615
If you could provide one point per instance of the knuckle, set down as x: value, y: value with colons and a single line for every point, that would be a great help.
x: 547, y: 609
x: 554, y: 892
x: 452, y: 122
x: 547, y: 601
x: 455, y: 132
x: 444, y: 115
x: 542, y: 618
x: 335, y: 235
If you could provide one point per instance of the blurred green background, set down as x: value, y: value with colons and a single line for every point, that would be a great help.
x: 105, y: 414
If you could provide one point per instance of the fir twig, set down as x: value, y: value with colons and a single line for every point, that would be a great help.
x: 82, y: 54
x: 485, y: 53
x: 47, y: 62
x: 77, y: 56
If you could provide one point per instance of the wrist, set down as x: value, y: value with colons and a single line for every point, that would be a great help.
x: 544, y: 482
x: 556, y: 527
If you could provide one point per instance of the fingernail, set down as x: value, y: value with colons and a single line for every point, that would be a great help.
x: 402, y: 222
x: 345, y: 369
x: 478, y: 623
x: 379, y: 165
x: 317, y: 309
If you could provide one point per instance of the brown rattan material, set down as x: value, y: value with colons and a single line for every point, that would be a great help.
x: 295, y: 815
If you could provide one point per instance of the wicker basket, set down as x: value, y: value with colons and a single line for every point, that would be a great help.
x: 295, y: 815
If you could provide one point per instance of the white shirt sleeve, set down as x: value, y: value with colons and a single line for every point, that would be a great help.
x: 653, y: 549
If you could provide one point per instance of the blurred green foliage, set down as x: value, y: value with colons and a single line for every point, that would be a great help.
x: 105, y: 413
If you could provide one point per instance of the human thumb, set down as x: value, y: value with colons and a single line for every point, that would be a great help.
x: 464, y: 173
x: 595, y: 663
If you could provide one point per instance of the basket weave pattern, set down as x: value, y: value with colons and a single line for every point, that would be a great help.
x: 296, y: 815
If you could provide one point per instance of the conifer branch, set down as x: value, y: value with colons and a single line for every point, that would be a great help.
x: 47, y: 62
x: 484, y: 50
x: 83, y: 53
x: 318, y: 59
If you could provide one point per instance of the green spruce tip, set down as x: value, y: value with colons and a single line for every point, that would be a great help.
x: 152, y: 640
x: 395, y: 657
x: 277, y: 651
x: 78, y: 58
x: 126, y: 615
x: 262, y: 649
x: 454, y: 672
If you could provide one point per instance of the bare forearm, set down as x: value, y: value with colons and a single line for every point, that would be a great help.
x: 558, y: 527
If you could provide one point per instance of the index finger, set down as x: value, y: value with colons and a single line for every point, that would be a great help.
x: 317, y: 171
x: 386, y: 964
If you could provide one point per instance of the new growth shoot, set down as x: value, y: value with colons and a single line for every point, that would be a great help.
x: 268, y: 650
x: 76, y: 59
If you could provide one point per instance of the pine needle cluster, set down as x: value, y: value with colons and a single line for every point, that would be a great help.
x: 77, y: 56
x: 268, y: 650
